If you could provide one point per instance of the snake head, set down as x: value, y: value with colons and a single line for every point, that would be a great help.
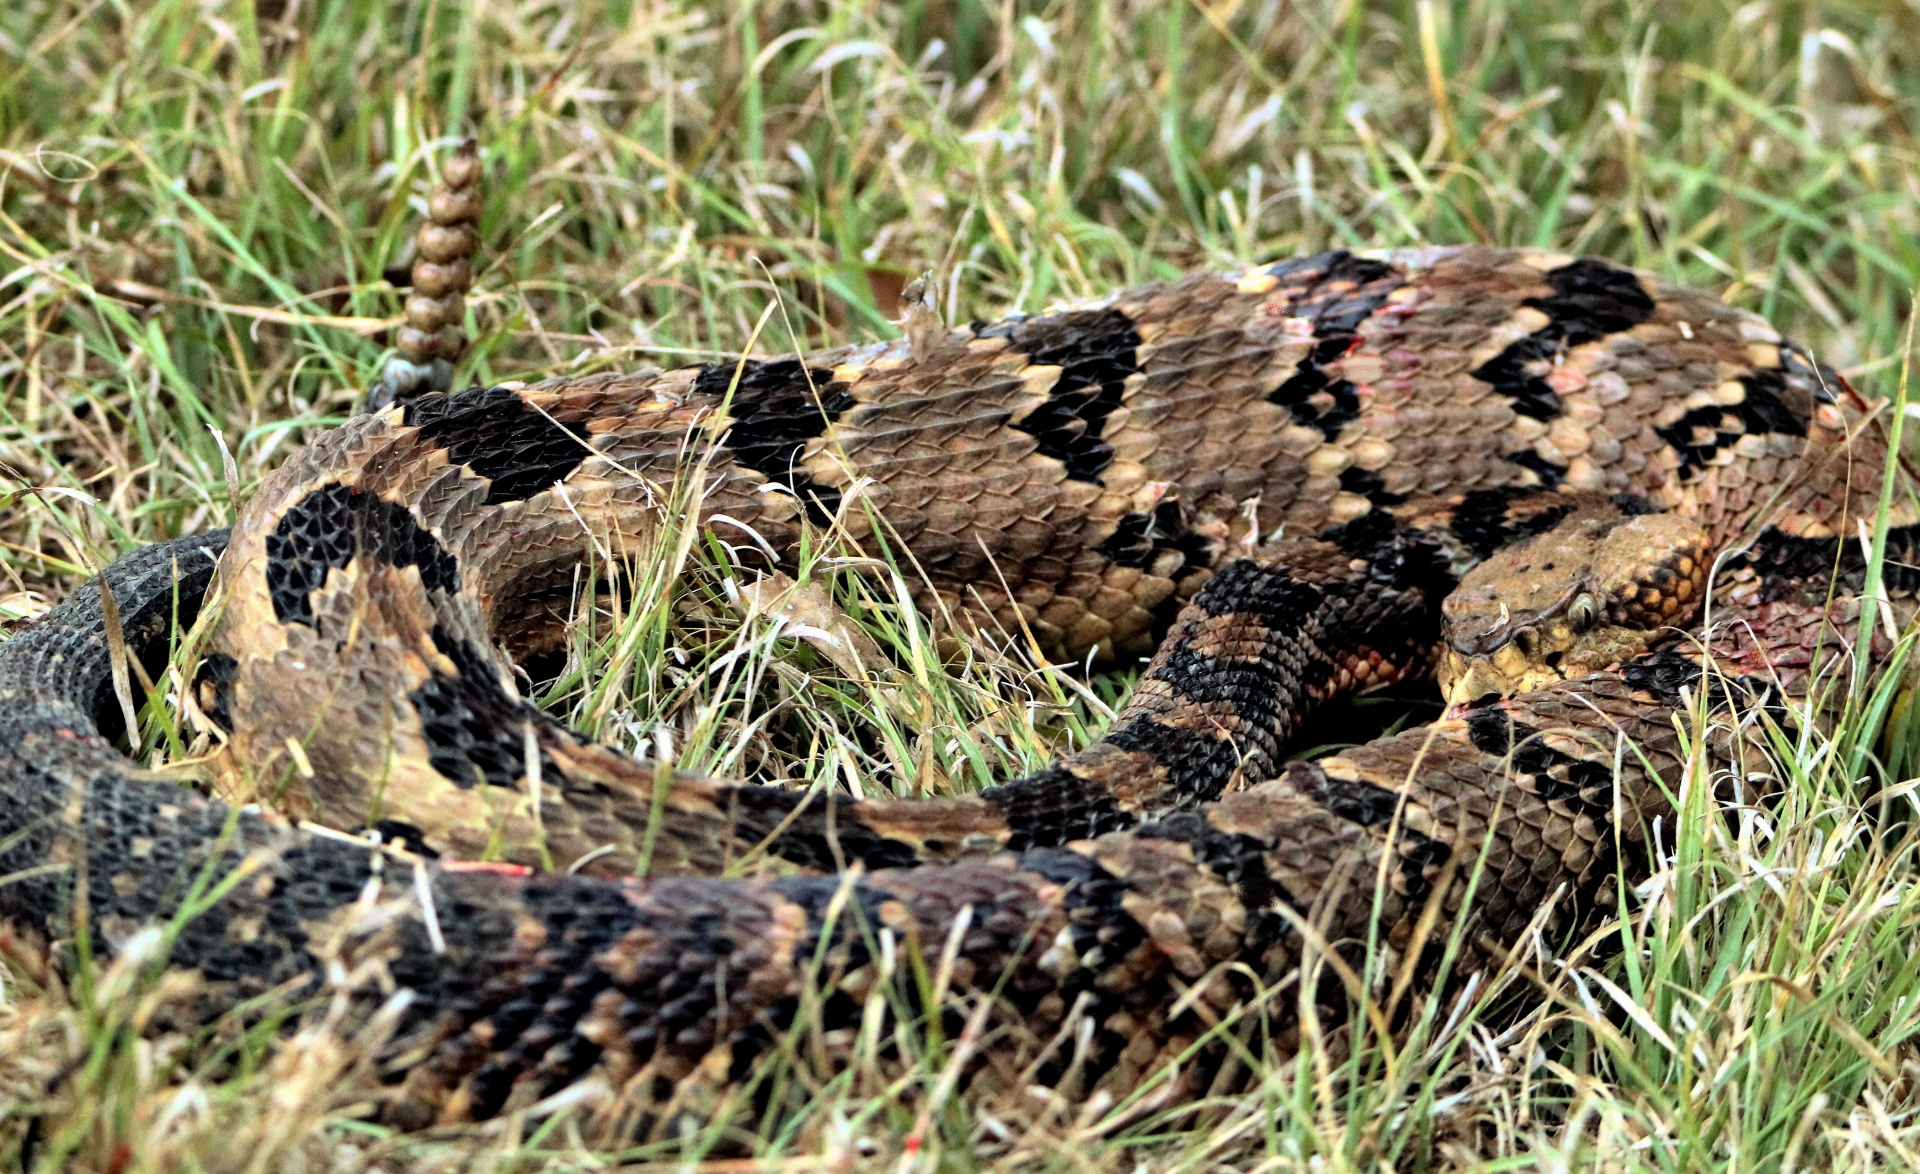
x: 1596, y: 589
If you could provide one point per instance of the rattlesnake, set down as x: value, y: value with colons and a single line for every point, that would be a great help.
x: 1299, y: 472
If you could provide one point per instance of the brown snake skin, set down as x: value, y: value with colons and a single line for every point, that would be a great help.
x: 1294, y: 465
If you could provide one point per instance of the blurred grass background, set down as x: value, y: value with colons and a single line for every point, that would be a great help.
x: 202, y: 202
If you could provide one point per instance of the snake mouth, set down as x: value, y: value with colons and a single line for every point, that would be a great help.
x: 1536, y: 658
x: 1470, y: 681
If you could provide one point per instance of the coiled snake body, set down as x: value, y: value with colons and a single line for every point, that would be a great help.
x: 1320, y: 471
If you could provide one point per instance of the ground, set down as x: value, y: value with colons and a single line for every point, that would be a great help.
x: 200, y: 206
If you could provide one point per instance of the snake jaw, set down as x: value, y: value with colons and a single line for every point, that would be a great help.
x: 1598, y: 588
x: 1465, y: 681
x: 1538, y: 656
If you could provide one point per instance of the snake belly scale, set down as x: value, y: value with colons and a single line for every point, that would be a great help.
x: 1295, y: 482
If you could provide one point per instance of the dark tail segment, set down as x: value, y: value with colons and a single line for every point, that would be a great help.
x: 431, y: 340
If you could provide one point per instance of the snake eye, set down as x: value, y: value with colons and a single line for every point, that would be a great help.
x: 1583, y: 611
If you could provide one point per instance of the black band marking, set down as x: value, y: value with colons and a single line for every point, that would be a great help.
x: 778, y: 406
x: 1362, y: 803
x: 815, y: 831
x: 1699, y: 435
x: 1103, y: 933
x: 1245, y: 586
x: 1199, y: 763
x: 1803, y: 568
x: 1369, y: 485
x: 1398, y: 557
x: 532, y: 1035
x: 1591, y: 299
x: 1132, y: 543
x: 1350, y: 799
x: 1344, y: 293
x: 331, y: 526
x: 1764, y: 409
x: 1485, y: 522
x: 213, y: 686
x: 1241, y: 861
x: 475, y: 732
x: 1139, y: 539
x: 1668, y: 674
x: 1549, y: 473
x: 501, y: 437
x: 1512, y: 373
x: 412, y: 837
x: 1055, y: 806
x: 1583, y: 783
x: 1096, y: 350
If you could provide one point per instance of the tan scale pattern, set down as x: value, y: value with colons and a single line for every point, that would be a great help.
x: 1140, y: 929
x: 934, y: 446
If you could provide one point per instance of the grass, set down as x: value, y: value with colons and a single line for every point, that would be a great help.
x: 198, y: 203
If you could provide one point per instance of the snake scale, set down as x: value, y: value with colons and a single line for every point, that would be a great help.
x: 1290, y: 483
